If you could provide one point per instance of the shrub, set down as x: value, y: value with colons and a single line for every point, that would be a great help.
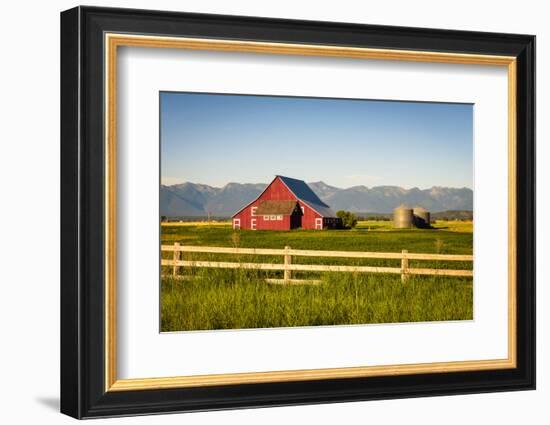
x: 349, y: 220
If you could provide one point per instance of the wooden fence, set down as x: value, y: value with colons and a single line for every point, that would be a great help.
x: 287, y: 267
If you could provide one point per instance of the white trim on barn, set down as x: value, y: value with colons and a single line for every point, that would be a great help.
x: 319, y: 223
x: 236, y: 223
x: 253, y: 224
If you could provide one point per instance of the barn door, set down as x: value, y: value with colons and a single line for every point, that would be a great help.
x: 253, y: 224
x: 296, y: 220
x: 319, y: 223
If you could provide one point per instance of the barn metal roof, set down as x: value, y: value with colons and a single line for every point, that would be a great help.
x: 304, y: 193
x: 276, y: 207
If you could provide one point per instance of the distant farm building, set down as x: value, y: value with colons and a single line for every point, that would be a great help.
x: 406, y: 217
x: 286, y: 204
x: 421, y: 217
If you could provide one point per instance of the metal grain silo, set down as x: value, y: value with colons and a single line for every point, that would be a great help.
x: 403, y: 217
x: 421, y: 217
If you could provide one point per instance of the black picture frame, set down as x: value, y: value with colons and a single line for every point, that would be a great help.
x: 82, y: 212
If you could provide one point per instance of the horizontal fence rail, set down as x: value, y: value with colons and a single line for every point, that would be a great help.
x: 287, y: 267
x: 317, y: 253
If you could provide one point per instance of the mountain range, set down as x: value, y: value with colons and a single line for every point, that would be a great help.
x: 200, y: 200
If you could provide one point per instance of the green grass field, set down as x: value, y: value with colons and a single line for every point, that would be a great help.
x: 236, y: 299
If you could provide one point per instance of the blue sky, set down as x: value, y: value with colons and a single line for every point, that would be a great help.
x: 216, y: 139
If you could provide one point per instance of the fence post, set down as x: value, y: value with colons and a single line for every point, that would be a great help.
x: 404, y: 266
x: 177, y: 255
x: 288, y: 261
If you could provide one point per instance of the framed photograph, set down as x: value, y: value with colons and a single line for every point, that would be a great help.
x: 261, y: 212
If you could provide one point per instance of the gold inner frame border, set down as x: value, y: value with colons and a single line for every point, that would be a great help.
x: 112, y: 41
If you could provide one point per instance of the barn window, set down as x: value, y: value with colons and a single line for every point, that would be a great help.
x: 273, y: 217
x: 266, y: 218
x: 253, y: 211
x: 279, y: 217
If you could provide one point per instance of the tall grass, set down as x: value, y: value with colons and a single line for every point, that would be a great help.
x: 236, y: 299
x: 233, y: 299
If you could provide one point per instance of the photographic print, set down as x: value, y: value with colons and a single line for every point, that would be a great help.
x: 279, y: 211
x: 239, y: 191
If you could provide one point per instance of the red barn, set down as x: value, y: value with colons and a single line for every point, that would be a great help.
x: 286, y: 204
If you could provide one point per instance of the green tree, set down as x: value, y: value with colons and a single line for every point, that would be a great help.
x: 349, y: 220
